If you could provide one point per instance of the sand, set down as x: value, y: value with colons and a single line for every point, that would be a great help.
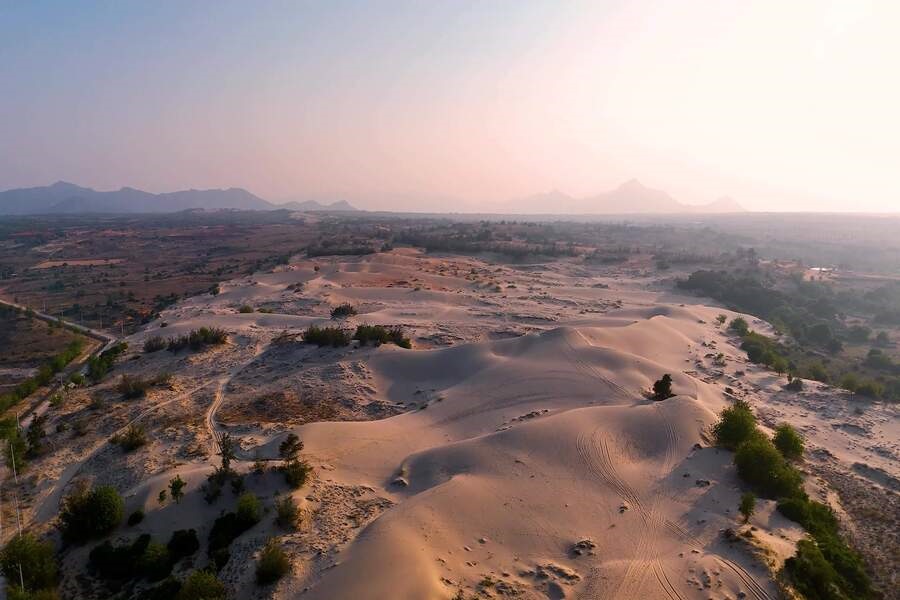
x: 512, y: 452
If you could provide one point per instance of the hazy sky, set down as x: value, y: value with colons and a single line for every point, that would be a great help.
x: 448, y: 105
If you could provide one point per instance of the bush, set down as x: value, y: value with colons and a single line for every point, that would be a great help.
x: 296, y: 472
x: 788, y: 442
x: 794, y: 385
x: 812, y: 575
x: 198, y: 339
x: 132, y: 386
x: 662, y: 388
x: 201, y: 585
x: 326, y: 336
x: 736, y: 425
x: 131, y: 439
x: 273, y: 564
x: 155, y: 563
x: 245, y: 309
x: 183, y: 543
x: 99, y: 366
x: 739, y: 326
x: 342, y: 310
x: 761, y: 465
x: 287, y: 512
x: 135, y: 518
x: 88, y: 513
x: 37, y: 558
x: 154, y: 344
x: 249, y: 510
x: 118, y: 562
x: 378, y: 334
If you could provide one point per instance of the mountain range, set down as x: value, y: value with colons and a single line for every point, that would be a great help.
x: 68, y: 198
x: 632, y: 197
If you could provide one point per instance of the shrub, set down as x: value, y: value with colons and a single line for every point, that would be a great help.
x: 201, y: 585
x: 812, y: 575
x: 273, y: 564
x: 736, y: 424
x: 198, y: 339
x: 132, y: 386
x: 739, y: 326
x: 135, y: 517
x: 37, y: 558
x: 77, y: 378
x: 183, y: 543
x: 246, y: 308
x: 287, y: 512
x: 99, y: 366
x: 154, y: 344
x: 155, y: 563
x: 662, y: 388
x: 788, y: 442
x: 761, y: 465
x: 343, y: 310
x: 378, y: 334
x: 249, y: 510
x: 794, y: 385
x: 296, y: 472
x: 748, y: 505
x: 225, y: 530
x: 131, y: 439
x: 88, y: 513
x: 118, y: 562
x: 326, y: 336
x: 869, y: 389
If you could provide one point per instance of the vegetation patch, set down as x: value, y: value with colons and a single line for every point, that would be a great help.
x: 326, y: 336
x: 379, y: 334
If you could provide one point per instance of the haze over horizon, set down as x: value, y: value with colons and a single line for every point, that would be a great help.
x: 458, y: 106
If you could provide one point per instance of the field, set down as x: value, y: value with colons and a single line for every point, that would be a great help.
x: 515, y: 448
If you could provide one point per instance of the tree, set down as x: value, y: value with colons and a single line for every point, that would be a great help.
x: 290, y: 448
x: 88, y: 513
x: 761, y: 465
x: 162, y: 496
x: 227, y: 451
x: 882, y: 339
x: 720, y: 319
x: 201, y: 585
x: 788, y: 441
x: 662, y: 388
x: 748, y: 505
x: 35, y: 434
x: 736, y: 425
x: 273, y: 563
x: 176, y: 487
x: 296, y: 473
x: 37, y: 558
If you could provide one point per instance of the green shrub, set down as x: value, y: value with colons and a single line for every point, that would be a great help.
x: 812, y: 575
x: 747, y: 506
x: 131, y: 439
x: 326, y: 336
x: 662, y: 388
x: 198, y: 339
x: 118, y: 562
x: 287, y: 512
x: 154, y: 344
x: 135, y: 518
x: 788, y: 442
x: 378, y: 334
x: 155, y: 563
x: 273, y: 564
x: 245, y: 309
x: 296, y: 472
x: 290, y: 447
x: 343, y: 310
x: 761, y: 465
x: 739, y: 326
x: 736, y: 425
x: 88, y: 513
x: 201, y: 585
x: 37, y: 558
x: 249, y: 510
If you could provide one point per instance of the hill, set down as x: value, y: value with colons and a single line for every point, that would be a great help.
x: 68, y: 198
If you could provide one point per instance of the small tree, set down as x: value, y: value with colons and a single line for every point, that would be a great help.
x: 37, y: 559
x: 662, y: 388
x: 176, y: 487
x: 296, y: 472
x: 290, y: 448
x: 249, y: 510
x: 788, y: 441
x: 227, y: 451
x: 162, y: 496
x: 739, y: 326
x: 273, y: 564
x: 720, y: 319
x: 736, y: 424
x: 35, y: 435
x: 88, y: 513
x: 748, y: 505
